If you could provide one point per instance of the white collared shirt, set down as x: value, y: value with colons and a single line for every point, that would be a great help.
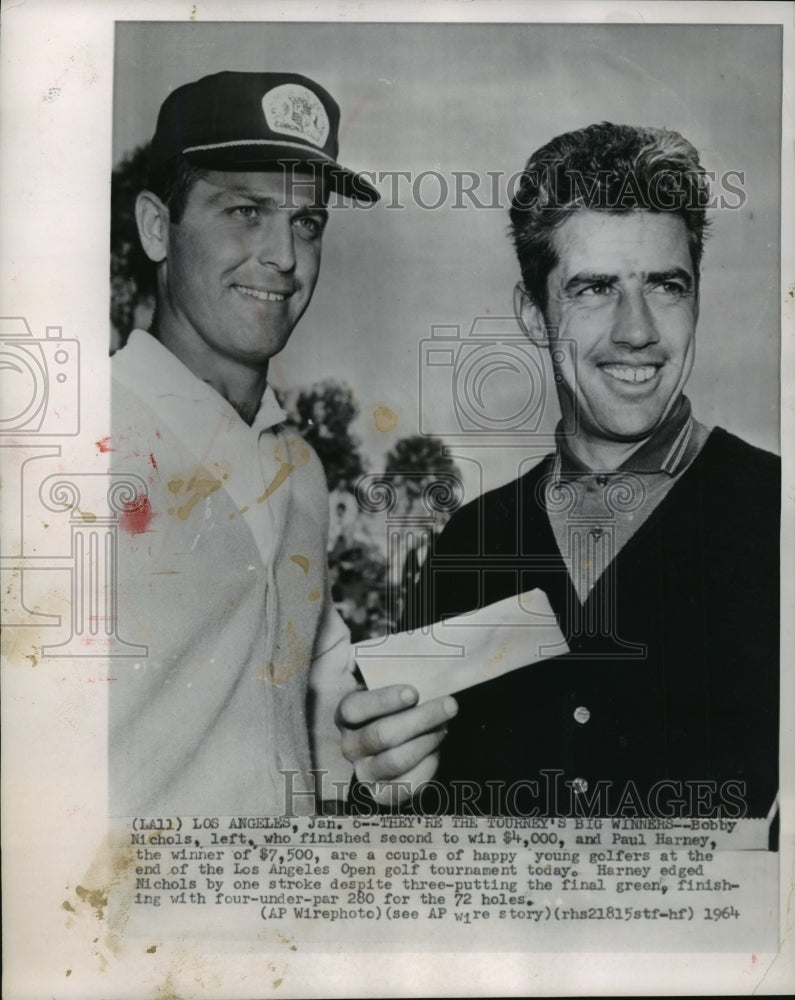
x: 228, y: 589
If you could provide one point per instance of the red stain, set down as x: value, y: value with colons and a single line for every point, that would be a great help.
x: 137, y: 515
x: 152, y: 460
x: 103, y: 444
x: 753, y: 959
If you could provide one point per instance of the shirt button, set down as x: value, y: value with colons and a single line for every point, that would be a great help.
x: 603, y: 480
x: 581, y: 715
x: 579, y: 785
x: 596, y: 532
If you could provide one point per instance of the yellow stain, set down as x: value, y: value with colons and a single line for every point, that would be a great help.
x: 293, y: 657
x: 194, y: 486
x: 297, y: 454
x: 385, y: 418
x: 276, y: 482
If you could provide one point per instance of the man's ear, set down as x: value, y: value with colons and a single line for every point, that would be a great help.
x: 528, y: 314
x: 151, y: 215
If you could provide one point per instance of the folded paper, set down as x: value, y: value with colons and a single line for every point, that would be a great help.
x: 466, y: 650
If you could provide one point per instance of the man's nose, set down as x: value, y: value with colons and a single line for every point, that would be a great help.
x: 633, y: 323
x: 276, y: 243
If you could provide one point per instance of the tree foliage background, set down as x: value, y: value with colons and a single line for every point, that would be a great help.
x: 414, y: 464
x: 132, y: 274
x: 324, y: 413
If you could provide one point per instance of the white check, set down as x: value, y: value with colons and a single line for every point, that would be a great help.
x: 466, y: 650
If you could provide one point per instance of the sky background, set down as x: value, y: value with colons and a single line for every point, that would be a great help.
x: 445, y: 98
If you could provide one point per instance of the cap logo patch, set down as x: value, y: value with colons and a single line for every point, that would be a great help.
x: 294, y: 110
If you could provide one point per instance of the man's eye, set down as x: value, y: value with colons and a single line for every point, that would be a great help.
x: 310, y: 226
x: 248, y: 213
x: 674, y: 288
x: 597, y: 288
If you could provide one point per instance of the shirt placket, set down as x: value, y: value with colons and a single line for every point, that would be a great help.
x: 274, y: 504
x: 591, y: 535
x: 266, y: 539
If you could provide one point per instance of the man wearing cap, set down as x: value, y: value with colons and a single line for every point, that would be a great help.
x: 654, y: 537
x: 222, y: 571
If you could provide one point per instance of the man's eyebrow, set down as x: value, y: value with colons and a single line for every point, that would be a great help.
x: 583, y: 278
x: 673, y: 273
x: 264, y: 200
x: 320, y: 210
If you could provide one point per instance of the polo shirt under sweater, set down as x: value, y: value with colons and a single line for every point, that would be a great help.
x: 667, y: 703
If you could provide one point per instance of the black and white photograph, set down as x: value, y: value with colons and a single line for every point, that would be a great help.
x: 396, y: 547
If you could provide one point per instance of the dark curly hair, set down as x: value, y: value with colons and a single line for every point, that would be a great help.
x: 612, y: 168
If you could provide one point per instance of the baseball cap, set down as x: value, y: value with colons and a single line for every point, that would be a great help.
x: 236, y: 120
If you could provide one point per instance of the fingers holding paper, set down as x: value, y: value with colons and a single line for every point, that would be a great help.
x: 392, y: 741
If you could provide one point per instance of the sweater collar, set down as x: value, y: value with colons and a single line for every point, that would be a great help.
x: 665, y: 451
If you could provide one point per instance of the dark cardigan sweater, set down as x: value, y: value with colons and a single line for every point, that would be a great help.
x: 675, y: 654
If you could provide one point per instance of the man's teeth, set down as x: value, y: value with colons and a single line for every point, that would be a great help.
x: 257, y: 294
x: 628, y: 373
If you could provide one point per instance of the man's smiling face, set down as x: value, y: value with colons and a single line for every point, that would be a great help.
x: 623, y: 291
x: 241, y: 265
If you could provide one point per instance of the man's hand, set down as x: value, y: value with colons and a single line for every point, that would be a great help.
x: 392, y: 741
